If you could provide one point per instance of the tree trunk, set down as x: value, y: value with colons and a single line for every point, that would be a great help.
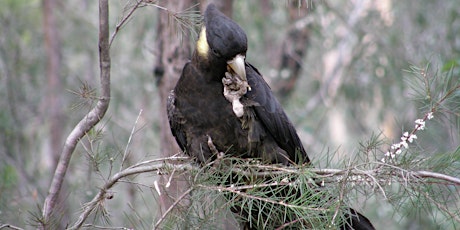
x: 53, y: 104
x: 287, y: 57
x: 172, y: 52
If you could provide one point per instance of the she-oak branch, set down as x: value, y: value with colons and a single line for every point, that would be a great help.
x: 182, y: 164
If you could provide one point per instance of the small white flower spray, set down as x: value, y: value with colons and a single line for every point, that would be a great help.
x: 429, y: 93
x: 407, y: 138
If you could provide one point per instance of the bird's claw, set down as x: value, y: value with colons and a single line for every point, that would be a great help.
x: 213, y: 148
x: 214, y: 151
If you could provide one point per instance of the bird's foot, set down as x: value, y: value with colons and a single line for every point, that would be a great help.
x: 214, y: 150
x: 235, y: 84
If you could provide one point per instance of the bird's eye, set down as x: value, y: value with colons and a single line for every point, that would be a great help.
x: 215, y: 52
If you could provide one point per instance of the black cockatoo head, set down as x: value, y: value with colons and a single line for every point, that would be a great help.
x: 222, y: 41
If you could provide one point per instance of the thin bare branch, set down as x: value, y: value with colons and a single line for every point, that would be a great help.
x: 441, y: 207
x: 267, y: 200
x: 89, y: 121
x: 101, y: 195
x: 163, y: 159
x: 373, y: 174
x: 9, y: 226
x: 92, y: 226
x: 125, y: 18
x: 125, y: 154
x: 440, y: 176
x: 165, y: 214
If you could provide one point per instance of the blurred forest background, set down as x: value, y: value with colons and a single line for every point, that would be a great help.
x: 338, y: 67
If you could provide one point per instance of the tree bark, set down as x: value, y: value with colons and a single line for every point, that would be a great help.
x: 172, y: 52
x: 53, y: 103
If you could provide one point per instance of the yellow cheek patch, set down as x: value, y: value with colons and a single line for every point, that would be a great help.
x: 202, y: 45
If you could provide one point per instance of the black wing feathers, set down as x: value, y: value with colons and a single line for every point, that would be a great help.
x: 272, y: 115
x: 175, y: 121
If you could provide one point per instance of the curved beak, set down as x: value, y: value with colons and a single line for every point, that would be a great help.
x: 237, y: 65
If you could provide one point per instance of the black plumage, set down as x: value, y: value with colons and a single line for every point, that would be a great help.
x: 197, y: 107
x: 250, y: 125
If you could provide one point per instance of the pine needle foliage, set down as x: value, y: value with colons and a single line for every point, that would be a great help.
x: 266, y: 196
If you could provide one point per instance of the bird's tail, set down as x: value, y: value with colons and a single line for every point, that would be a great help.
x: 357, y: 221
